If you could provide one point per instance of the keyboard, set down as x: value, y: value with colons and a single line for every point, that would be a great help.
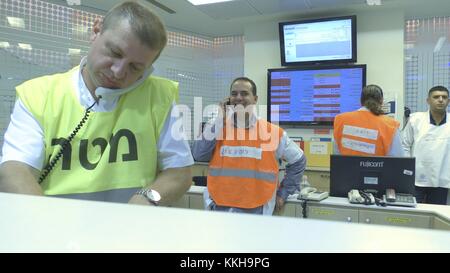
x: 403, y: 200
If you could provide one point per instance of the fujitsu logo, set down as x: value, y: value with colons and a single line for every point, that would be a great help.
x: 371, y: 164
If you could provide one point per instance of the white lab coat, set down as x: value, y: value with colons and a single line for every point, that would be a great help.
x: 430, y: 144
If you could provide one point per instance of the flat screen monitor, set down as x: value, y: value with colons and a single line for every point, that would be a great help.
x: 325, y: 40
x: 313, y: 95
x: 376, y: 173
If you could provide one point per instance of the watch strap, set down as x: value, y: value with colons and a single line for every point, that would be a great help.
x: 144, y: 192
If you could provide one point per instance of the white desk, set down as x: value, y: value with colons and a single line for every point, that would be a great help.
x: 439, y: 210
x: 36, y: 224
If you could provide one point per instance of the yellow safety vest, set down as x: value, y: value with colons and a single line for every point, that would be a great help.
x: 112, y: 150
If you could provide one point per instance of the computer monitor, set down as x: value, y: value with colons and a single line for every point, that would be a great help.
x: 313, y: 95
x: 318, y: 41
x: 375, y: 173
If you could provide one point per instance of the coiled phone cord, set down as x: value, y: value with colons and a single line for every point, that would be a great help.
x: 305, y: 208
x: 53, y: 162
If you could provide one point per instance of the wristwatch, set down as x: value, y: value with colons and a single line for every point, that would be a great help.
x: 152, y: 196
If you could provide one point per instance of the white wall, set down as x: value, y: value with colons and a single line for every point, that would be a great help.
x: 380, y: 46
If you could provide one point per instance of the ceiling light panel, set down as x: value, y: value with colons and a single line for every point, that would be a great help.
x: 205, y: 2
x: 16, y: 22
x: 25, y: 46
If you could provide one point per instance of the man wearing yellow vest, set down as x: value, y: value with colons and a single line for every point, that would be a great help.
x: 244, y: 153
x: 101, y: 131
x: 367, y: 131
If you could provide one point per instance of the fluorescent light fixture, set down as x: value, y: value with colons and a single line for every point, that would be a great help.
x: 4, y: 44
x: 25, y: 46
x: 74, y: 51
x: 373, y: 2
x: 16, y: 22
x: 440, y: 42
x: 205, y: 2
x: 73, y: 2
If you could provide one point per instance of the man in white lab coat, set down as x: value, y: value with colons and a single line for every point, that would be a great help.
x: 427, y: 137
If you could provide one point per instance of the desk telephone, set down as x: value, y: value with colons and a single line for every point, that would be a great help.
x: 399, y: 199
x: 310, y: 193
x: 360, y: 197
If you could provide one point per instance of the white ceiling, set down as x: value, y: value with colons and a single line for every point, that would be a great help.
x: 230, y: 18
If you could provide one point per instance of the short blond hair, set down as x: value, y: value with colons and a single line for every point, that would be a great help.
x: 147, y: 26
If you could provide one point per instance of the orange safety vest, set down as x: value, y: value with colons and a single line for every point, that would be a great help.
x: 363, y: 133
x: 243, y: 171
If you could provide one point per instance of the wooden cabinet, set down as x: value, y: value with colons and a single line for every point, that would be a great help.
x: 329, y: 213
x: 196, y: 201
x: 319, y: 179
x: 289, y: 210
x: 190, y: 201
x: 439, y: 223
x: 338, y: 210
x: 394, y: 218
x: 358, y: 215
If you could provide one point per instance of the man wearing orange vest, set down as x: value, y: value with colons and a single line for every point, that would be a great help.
x: 367, y: 131
x: 244, y: 153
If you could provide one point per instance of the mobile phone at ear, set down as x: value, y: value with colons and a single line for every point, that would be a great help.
x: 229, y: 102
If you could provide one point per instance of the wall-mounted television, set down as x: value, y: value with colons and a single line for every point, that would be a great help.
x: 318, y: 41
x: 313, y: 95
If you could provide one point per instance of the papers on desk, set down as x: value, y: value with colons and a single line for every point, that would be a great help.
x: 318, y: 153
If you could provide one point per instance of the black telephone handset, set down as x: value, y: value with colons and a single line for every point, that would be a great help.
x: 390, y: 195
x: 227, y: 107
x: 51, y: 164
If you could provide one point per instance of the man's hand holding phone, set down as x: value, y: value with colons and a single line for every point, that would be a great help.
x: 226, y: 108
